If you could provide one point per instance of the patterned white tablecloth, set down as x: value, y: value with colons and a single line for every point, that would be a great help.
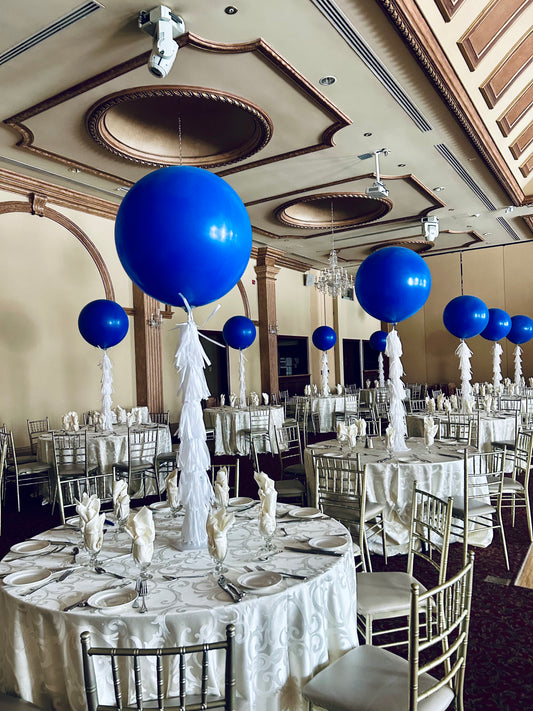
x: 326, y: 408
x: 390, y: 481
x: 282, y: 638
x: 492, y: 428
x: 108, y: 449
x: 229, y: 424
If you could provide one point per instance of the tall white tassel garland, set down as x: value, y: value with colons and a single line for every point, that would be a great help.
x: 107, y: 388
x: 497, y: 351
x: 464, y: 353
x: 195, y: 491
x: 381, y: 370
x: 517, y: 364
x: 242, y: 380
x: 397, y: 419
x: 325, y: 374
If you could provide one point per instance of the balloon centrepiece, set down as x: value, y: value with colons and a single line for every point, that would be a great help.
x: 104, y: 323
x: 521, y: 332
x: 184, y: 237
x: 392, y: 284
x: 324, y: 338
x: 239, y: 333
x: 465, y: 316
x: 183, y: 231
x: 498, y: 327
x: 378, y: 341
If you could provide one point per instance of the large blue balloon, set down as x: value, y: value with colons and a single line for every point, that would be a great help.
x: 521, y: 329
x: 393, y: 284
x: 324, y: 338
x: 378, y: 340
x: 465, y: 316
x: 239, y: 332
x: 103, y: 323
x: 498, y: 326
x: 183, y: 230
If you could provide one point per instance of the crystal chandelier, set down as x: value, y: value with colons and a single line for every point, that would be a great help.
x: 334, y: 280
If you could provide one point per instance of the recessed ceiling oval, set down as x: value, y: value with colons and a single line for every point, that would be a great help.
x: 417, y: 245
x: 315, y: 211
x: 143, y: 125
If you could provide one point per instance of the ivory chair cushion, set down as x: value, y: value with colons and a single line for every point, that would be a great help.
x: 384, y: 594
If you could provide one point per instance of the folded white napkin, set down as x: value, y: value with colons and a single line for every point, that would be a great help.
x: 367, y: 384
x: 453, y: 402
x: 254, y: 399
x: 447, y: 405
x: 140, y: 528
x: 93, y: 533
x: 121, y: 499
x: 232, y: 399
x: 268, y: 498
x: 222, y: 399
x: 430, y: 431
x: 353, y: 433
x: 469, y: 405
x: 120, y: 412
x: 87, y: 508
x: 99, y: 420
x: 130, y: 419
x: 530, y: 381
x: 221, y: 487
x: 307, y: 389
x: 71, y: 422
x: 475, y: 388
x: 487, y: 403
x: 314, y: 389
x: 430, y: 402
x: 490, y: 387
x: 265, y: 398
x: 342, y: 432
x: 339, y: 389
x: 172, y: 489
x: 217, y: 526
x: 389, y: 437
x: 482, y: 389
x: 440, y: 401
x: 361, y: 426
x: 507, y: 382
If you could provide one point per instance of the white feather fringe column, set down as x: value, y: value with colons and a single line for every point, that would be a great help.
x: 397, y: 420
x: 195, y: 491
x: 242, y: 380
x: 381, y: 370
x: 497, y: 351
x: 517, y: 364
x: 464, y: 353
x: 107, y: 388
x: 325, y: 374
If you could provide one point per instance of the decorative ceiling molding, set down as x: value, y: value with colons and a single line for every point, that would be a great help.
x: 517, y: 60
x: 278, y: 64
x: 517, y: 110
x: 448, y: 8
x: 282, y: 259
x: 419, y: 37
x: 522, y: 143
x: 335, y: 210
x: 416, y: 245
x: 526, y: 169
x: 487, y: 29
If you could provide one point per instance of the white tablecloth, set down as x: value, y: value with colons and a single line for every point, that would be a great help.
x: 326, y: 407
x: 229, y: 424
x: 282, y: 638
x: 391, y: 481
x: 492, y: 428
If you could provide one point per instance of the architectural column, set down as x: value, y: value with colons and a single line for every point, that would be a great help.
x: 267, y: 271
x: 148, y: 362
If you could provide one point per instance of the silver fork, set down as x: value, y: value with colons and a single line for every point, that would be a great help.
x: 143, y: 591
x: 135, y: 603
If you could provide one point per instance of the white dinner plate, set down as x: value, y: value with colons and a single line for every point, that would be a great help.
x: 305, y: 513
x: 33, y: 546
x: 112, y: 599
x: 260, y: 580
x: 30, y: 576
x: 328, y: 543
x: 73, y: 521
x: 240, y: 501
x: 159, y: 506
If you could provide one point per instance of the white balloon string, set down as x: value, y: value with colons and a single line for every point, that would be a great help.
x: 464, y: 353
x: 242, y: 380
x: 107, y: 388
x: 517, y: 364
x: 497, y: 351
x: 381, y: 370
x: 325, y: 374
x: 397, y: 418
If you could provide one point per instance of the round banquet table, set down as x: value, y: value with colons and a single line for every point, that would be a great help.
x: 107, y: 449
x: 499, y: 427
x: 229, y: 424
x: 391, y: 481
x: 284, y: 634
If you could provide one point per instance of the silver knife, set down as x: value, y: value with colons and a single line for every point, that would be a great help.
x: 320, y: 551
x: 62, y: 577
x: 84, y: 600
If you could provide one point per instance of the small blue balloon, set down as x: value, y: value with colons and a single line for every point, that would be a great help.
x: 465, y: 316
x: 521, y: 329
x: 239, y: 332
x: 183, y: 230
x: 393, y: 284
x: 498, y: 326
x: 103, y: 323
x: 378, y: 340
x: 324, y: 338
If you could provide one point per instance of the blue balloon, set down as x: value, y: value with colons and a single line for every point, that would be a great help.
x: 521, y: 329
x: 393, y: 284
x: 498, y: 326
x: 324, y: 338
x: 103, y: 323
x: 239, y: 332
x: 183, y: 230
x: 465, y: 316
x: 378, y: 340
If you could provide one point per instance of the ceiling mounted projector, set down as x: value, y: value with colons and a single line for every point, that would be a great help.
x: 377, y: 189
x: 161, y: 24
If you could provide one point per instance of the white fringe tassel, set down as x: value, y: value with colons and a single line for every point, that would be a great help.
x: 497, y: 351
x: 107, y: 388
x: 242, y: 380
x: 517, y: 364
x: 325, y: 374
x: 194, y: 490
x: 381, y: 370
x: 464, y: 353
x: 397, y: 419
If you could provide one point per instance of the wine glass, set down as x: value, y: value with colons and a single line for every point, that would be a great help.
x: 218, y: 554
x: 142, y: 555
x: 93, y: 552
x: 174, y: 510
x: 267, y: 529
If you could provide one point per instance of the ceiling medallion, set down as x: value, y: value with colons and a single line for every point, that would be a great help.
x: 417, y: 245
x: 313, y: 211
x: 141, y: 125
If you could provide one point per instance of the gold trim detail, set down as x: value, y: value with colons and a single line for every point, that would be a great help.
x: 295, y: 213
